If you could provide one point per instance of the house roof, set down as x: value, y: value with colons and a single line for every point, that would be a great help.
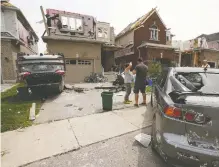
x: 9, y: 6
x: 140, y: 21
x: 210, y: 37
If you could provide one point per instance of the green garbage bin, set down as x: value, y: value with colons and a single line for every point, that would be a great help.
x: 107, y: 100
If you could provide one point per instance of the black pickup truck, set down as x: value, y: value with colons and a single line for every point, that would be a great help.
x: 42, y: 71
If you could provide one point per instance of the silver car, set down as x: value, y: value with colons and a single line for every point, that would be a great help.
x: 185, y: 128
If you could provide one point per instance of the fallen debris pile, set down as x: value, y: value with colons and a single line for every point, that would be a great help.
x: 95, y: 78
x: 76, y: 89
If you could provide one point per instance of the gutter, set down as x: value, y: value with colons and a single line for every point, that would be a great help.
x: 46, y: 38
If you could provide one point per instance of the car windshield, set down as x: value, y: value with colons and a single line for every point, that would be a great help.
x: 210, y: 82
x: 204, y: 82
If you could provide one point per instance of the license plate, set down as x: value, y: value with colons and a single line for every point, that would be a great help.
x: 42, y: 67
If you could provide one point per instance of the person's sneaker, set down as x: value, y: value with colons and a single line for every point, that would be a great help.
x: 126, y: 102
x: 136, y: 105
x: 143, y: 104
x: 129, y: 101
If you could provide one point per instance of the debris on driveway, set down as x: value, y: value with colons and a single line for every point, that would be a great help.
x: 79, y: 90
x: 144, y: 139
x: 68, y: 105
x: 67, y: 86
x: 105, y: 87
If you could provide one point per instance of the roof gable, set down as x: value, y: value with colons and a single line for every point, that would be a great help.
x: 140, y: 21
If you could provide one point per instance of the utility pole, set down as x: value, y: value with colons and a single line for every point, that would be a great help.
x: 180, y: 57
x: 44, y: 20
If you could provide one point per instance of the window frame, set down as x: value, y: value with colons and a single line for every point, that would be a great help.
x: 154, y: 33
x: 69, y: 26
x: 78, y: 62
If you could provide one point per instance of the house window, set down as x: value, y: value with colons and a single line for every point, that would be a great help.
x: 168, y: 38
x: 84, y: 62
x: 102, y: 32
x: 70, y: 61
x: 74, y: 24
x: 154, y: 32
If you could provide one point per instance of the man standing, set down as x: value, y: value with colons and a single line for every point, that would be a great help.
x: 140, y: 81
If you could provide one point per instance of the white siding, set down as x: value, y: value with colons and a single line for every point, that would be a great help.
x: 126, y: 39
x: 2, y: 21
x: 10, y: 18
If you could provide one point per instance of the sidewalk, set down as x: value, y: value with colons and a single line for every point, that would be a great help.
x: 41, y: 141
x: 5, y: 87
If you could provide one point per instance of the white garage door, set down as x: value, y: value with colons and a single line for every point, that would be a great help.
x: 77, y: 70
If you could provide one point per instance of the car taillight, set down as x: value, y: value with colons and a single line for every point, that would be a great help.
x: 189, y: 117
x: 173, y: 112
x: 25, y: 74
x: 60, y: 72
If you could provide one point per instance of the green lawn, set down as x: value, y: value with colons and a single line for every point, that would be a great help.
x: 14, y: 111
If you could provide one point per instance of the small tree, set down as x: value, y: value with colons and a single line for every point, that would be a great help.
x: 154, y: 69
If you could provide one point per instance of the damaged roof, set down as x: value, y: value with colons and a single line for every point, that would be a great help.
x: 9, y: 6
x: 137, y: 23
x: 210, y: 37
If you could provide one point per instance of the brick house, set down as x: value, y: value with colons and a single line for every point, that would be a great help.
x: 17, y: 35
x: 147, y: 37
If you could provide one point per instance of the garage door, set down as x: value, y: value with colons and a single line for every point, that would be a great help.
x: 77, y: 70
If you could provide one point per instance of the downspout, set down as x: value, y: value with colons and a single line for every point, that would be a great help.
x: 180, y: 57
x: 139, y: 53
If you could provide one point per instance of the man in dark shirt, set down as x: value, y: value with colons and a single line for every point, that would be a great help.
x: 140, y: 81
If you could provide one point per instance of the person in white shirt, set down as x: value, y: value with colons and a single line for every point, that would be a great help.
x: 128, y: 79
x: 205, y: 64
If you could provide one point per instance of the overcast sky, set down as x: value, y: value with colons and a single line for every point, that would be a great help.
x: 186, y: 18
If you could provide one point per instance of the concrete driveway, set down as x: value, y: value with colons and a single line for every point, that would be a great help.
x: 71, y: 104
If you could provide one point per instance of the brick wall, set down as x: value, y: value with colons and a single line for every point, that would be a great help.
x: 7, y: 61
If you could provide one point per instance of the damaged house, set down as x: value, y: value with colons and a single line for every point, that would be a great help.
x: 202, y: 47
x: 17, y: 35
x: 148, y: 37
x: 81, y: 39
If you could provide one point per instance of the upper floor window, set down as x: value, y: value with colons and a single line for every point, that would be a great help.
x: 168, y: 36
x: 72, y: 23
x: 154, y: 32
x: 102, y: 32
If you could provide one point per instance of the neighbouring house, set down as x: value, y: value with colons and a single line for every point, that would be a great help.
x: 81, y: 39
x: 203, y: 47
x: 17, y: 35
x: 106, y: 34
x: 148, y: 37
